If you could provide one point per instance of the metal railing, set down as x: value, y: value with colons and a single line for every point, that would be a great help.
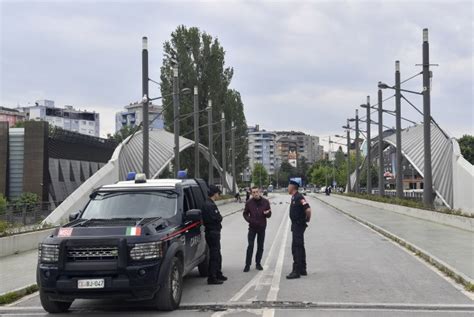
x: 27, y: 214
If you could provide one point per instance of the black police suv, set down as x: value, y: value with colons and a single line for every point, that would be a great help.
x: 134, y: 240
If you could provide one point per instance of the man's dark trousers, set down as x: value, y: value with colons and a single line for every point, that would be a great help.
x: 297, y: 247
x: 260, y: 233
x: 213, y: 239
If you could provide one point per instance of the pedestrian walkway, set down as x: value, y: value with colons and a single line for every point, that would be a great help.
x: 451, y: 245
x: 19, y: 270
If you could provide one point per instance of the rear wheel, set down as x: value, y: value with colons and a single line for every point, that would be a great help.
x: 169, y: 295
x: 203, y: 267
x: 51, y: 306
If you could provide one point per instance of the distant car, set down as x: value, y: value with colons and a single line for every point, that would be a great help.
x: 135, y: 240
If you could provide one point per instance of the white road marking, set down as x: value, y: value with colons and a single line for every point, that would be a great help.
x: 258, y: 277
x: 275, y: 287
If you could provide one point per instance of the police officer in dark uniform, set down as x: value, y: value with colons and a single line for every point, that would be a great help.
x: 300, y: 214
x: 213, y: 224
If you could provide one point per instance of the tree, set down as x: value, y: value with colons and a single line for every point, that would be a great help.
x: 123, y: 133
x: 466, y: 144
x: 201, y: 62
x: 285, y: 171
x: 259, y: 175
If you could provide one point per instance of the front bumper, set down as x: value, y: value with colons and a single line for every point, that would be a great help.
x: 123, y: 279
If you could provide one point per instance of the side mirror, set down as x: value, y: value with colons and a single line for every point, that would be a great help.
x: 193, y: 215
x: 74, y: 215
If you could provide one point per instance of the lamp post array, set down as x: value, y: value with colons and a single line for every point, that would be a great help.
x: 427, y: 119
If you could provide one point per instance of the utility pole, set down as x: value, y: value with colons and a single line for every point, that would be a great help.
x: 224, y: 169
x: 232, y: 141
x: 357, y: 151
x: 145, y: 96
x: 176, y: 119
x: 398, y: 132
x: 348, y: 157
x: 210, y: 145
x: 427, y: 175
x: 196, y: 132
x: 381, y: 161
x: 369, y: 148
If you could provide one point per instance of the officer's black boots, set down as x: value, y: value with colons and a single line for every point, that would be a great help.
x: 214, y: 281
x: 259, y: 267
x: 293, y: 275
x: 247, y: 268
x: 303, y: 272
x: 221, y: 277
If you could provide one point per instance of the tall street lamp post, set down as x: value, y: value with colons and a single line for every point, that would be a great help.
x: 145, y: 121
x: 196, y: 132
x: 368, y: 142
x: 356, y: 187
x: 398, y: 127
x: 381, y: 160
x: 427, y: 174
x: 223, y: 154
x: 232, y: 137
x: 210, y: 144
x: 176, y: 119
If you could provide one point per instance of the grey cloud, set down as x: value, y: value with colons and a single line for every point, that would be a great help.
x: 316, y: 60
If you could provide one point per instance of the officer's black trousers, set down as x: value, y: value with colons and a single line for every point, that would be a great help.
x: 213, y: 239
x: 260, y: 233
x: 297, y: 247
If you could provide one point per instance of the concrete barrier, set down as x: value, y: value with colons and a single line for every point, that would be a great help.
x: 460, y: 222
x: 22, y: 242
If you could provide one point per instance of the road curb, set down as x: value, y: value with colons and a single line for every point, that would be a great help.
x: 445, y: 268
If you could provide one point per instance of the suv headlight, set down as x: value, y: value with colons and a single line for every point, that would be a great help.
x: 146, y: 251
x: 48, y: 253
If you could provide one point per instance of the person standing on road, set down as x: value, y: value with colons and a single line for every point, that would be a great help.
x: 213, y: 224
x: 300, y: 214
x: 256, y: 211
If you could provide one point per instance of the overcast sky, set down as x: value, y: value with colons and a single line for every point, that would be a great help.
x: 301, y: 65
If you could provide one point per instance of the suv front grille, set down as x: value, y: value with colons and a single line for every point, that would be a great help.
x: 76, y: 254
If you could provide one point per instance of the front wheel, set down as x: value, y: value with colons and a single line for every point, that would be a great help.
x: 169, y: 295
x: 53, y: 307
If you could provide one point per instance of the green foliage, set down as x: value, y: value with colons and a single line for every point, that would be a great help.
x: 201, y: 63
x: 4, y: 226
x: 284, y: 173
x: 3, y: 204
x: 259, y: 175
x: 27, y: 200
x: 11, y: 297
x: 123, y: 133
x: 466, y: 144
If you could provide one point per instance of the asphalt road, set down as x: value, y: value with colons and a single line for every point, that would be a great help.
x: 353, y: 271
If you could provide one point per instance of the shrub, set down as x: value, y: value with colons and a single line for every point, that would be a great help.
x: 3, y: 204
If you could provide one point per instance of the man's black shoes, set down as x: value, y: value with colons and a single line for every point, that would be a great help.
x: 247, y: 268
x: 222, y: 277
x: 293, y: 275
x: 303, y: 272
x: 259, y: 267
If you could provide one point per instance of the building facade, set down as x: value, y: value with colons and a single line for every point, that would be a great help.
x: 132, y: 116
x: 67, y: 118
x: 261, y: 149
x: 297, y: 145
x: 12, y: 116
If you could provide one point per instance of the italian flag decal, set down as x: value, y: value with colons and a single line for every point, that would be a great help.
x: 134, y: 231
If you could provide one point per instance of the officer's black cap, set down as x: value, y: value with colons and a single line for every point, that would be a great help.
x: 213, y: 189
x: 292, y: 182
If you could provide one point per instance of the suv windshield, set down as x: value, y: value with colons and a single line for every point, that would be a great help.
x: 108, y: 205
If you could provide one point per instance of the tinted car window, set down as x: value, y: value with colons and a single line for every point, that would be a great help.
x: 131, y: 205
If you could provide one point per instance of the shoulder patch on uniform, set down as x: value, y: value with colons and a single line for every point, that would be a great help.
x: 303, y: 201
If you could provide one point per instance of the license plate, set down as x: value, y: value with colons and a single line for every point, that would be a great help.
x: 96, y: 283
